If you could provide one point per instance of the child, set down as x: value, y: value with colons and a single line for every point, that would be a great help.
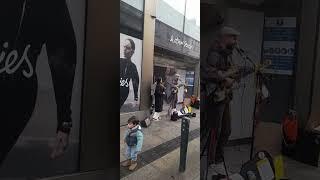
x: 134, y: 140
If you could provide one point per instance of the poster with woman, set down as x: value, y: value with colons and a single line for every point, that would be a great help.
x: 41, y: 46
x: 130, y: 73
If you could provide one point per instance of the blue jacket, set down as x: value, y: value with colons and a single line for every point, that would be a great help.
x: 139, y: 135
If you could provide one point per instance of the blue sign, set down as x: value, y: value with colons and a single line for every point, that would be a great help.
x: 280, y: 37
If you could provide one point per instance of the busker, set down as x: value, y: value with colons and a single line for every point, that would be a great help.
x: 217, y: 76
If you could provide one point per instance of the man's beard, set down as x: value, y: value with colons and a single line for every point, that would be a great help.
x: 231, y: 47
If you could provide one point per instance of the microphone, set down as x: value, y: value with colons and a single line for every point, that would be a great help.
x: 243, y: 54
x: 240, y: 51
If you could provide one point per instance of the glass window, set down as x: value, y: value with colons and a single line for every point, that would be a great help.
x: 139, y: 4
x: 131, y: 20
x: 171, y: 12
x: 192, y: 22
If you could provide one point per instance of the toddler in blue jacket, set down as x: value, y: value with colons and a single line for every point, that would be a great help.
x: 134, y: 140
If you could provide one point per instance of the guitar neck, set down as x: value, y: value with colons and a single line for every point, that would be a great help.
x: 245, y: 71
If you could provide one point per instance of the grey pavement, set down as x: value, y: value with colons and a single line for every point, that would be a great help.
x: 167, y: 167
x: 33, y: 157
x: 159, y: 132
x: 162, y: 142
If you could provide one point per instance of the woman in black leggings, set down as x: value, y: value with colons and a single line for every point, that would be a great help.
x: 28, y: 25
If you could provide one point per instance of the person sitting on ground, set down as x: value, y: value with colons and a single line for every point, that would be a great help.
x: 134, y: 140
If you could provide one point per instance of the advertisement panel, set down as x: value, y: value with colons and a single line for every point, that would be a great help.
x: 130, y: 73
x: 41, y: 62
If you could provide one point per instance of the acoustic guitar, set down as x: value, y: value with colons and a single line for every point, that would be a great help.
x: 224, y: 89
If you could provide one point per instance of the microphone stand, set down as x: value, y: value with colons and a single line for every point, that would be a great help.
x: 258, y: 83
x: 244, y: 56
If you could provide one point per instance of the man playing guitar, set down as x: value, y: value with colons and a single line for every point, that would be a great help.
x: 218, y: 74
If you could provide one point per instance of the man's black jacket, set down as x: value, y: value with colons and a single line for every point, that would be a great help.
x: 128, y: 71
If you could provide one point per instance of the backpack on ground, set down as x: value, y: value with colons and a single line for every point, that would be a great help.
x: 289, y: 133
x: 174, y: 116
x: 145, y: 123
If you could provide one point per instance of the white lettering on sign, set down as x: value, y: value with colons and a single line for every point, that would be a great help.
x: 178, y: 42
x: 279, y: 51
x: 11, y: 58
x: 124, y: 83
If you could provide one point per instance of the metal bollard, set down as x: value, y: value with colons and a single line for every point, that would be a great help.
x: 184, y: 143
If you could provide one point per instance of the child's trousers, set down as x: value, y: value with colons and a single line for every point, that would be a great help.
x: 132, y: 153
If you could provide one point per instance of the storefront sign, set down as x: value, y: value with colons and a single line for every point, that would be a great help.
x: 171, y: 39
x: 177, y: 41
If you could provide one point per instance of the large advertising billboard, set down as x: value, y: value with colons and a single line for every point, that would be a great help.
x: 130, y: 73
x: 41, y: 58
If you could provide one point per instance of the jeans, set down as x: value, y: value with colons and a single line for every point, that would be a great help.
x: 132, y: 153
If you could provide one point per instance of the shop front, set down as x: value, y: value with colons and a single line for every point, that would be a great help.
x: 176, y: 53
x: 160, y: 47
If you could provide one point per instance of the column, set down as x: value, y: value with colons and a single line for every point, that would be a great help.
x: 305, y: 59
x: 148, y: 53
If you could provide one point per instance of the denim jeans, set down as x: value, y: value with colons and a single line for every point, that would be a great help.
x: 132, y: 153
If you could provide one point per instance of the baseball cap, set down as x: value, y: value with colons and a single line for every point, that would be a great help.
x: 229, y: 31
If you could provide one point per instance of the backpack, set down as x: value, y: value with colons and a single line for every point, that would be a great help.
x: 174, y: 116
x: 290, y: 128
x: 145, y: 123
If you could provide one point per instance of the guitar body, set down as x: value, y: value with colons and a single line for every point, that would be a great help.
x: 224, y: 90
x: 220, y: 96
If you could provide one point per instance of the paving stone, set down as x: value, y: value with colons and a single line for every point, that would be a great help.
x: 167, y: 167
x: 161, y: 150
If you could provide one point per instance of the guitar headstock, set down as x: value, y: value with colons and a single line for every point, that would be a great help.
x: 264, y: 65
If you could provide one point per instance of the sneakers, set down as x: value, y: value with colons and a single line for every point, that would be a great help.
x: 156, y: 116
x: 126, y: 163
x: 133, y: 165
